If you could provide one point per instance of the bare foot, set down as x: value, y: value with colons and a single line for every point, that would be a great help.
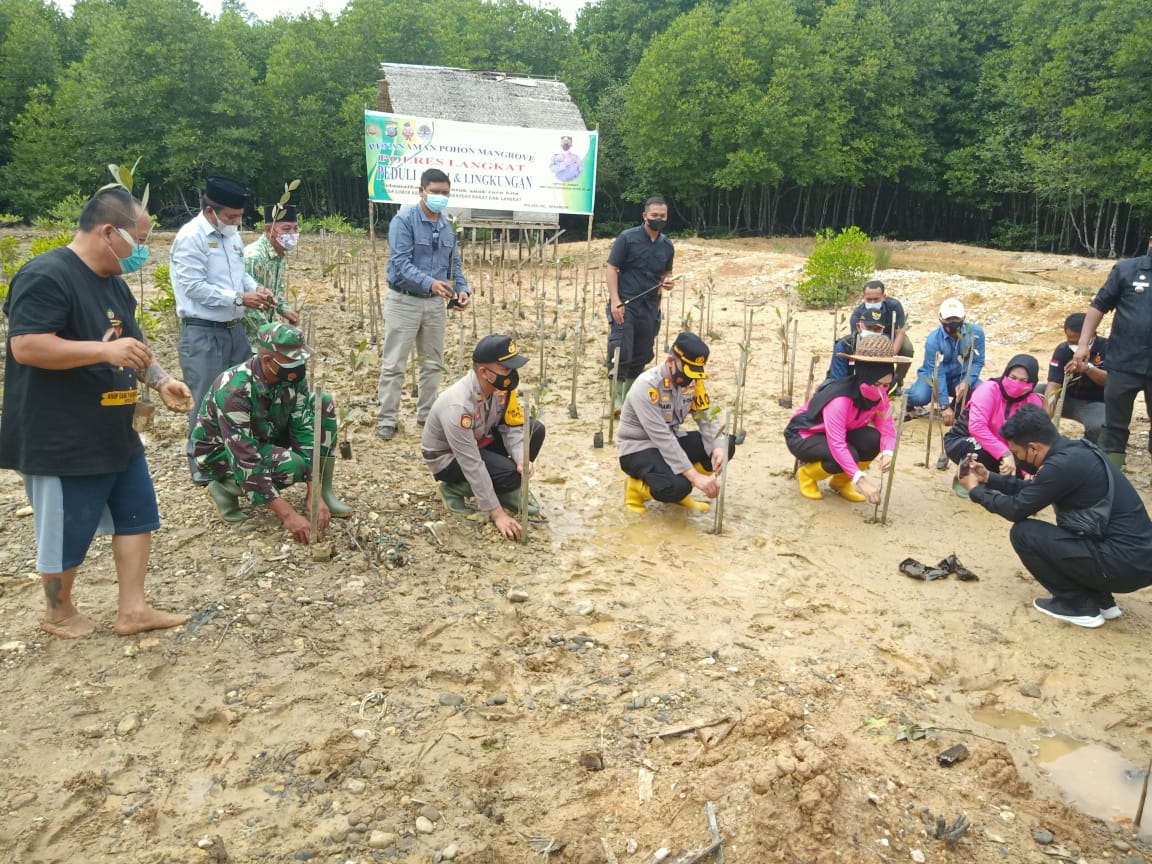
x: 72, y: 627
x: 146, y: 619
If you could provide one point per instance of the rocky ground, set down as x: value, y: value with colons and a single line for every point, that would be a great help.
x: 437, y: 693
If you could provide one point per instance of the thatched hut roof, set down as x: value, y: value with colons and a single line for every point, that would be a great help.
x: 469, y: 96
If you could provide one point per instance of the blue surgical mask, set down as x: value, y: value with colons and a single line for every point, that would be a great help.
x: 874, y: 306
x: 436, y: 203
x: 136, y: 259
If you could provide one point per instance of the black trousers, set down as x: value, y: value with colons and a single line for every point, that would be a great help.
x: 1119, y: 394
x: 665, y: 484
x: 1071, y: 567
x: 636, y: 337
x: 500, y: 467
x: 863, y: 442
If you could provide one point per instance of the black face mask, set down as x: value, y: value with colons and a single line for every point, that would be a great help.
x: 505, y: 382
x: 953, y: 328
x: 680, y: 379
x: 294, y: 373
x: 1026, y: 466
x: 657, y: 224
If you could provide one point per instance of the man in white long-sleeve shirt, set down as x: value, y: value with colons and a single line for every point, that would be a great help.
x: 212, y: 290
x: 663, y: 461
x: 474, y: 438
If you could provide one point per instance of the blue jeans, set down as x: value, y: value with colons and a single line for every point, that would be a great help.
x: 920, y: 393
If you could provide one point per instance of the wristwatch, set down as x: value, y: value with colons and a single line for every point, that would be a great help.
x: 239, y: 299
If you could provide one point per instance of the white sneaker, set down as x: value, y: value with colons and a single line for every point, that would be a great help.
x: 1111, y: 613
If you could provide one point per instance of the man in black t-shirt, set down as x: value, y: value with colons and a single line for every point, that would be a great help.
x: 74, y: 351
x: 638, y: 274
x: 1084, y: 401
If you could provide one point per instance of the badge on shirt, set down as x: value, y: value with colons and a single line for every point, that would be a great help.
x: 653, y: 395
x: 465, y: 421
x: 212, y: 244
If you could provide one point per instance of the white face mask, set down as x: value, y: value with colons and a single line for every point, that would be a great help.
x: 227, y: 230
x: 288, y: 241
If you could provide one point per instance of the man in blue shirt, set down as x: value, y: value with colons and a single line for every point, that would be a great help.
x: 961, y: 346
x: 212, y: 290
x: 423, y: 279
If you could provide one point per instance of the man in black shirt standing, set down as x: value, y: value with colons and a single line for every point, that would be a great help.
x: 639, y: 271
x: 1128, y: 291
x: 74, y: 355
x: 1084, y: 401
x: 1102, y: 540
x: 877, y: 308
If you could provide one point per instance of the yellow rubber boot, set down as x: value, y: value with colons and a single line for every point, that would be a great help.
x: 810, y: 474
x: 842, y: 483
x: 636, y: 492
x: 702, y: 468
x: 688, y: 501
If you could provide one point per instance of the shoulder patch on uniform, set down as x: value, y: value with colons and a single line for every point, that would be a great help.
x: 466, y: 421
x: 653, y: 395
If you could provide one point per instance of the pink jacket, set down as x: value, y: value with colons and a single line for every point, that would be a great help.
x: 986, y: 416
x: 842, y: 416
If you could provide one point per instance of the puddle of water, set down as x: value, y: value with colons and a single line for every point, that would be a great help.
x: 1093, y: 778
x: 1010, y: 719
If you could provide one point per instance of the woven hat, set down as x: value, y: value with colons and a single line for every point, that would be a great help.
x: 874, y: 348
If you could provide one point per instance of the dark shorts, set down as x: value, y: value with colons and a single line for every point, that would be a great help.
x: 70, y: 511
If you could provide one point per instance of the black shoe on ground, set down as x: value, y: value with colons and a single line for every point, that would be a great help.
x: 1065, y: 611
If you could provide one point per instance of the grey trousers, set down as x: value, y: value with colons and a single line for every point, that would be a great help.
x: 409, y: 321
x: 204, y: 353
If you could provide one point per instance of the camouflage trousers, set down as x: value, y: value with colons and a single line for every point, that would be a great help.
x: 283, y: 464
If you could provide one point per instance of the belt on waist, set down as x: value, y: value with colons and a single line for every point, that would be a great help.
x: 203, y: 322
x: 398, y: 290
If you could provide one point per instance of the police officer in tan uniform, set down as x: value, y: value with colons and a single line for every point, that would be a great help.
x: 473, y: 440
x: 662, y: 460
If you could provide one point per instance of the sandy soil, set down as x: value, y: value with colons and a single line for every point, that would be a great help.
x: 395, y: 703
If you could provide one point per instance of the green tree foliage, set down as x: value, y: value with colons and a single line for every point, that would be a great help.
x: 836, y: 268
x: 1018, y: 122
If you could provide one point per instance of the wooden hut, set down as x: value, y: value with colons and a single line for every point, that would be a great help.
x: 469, y: 96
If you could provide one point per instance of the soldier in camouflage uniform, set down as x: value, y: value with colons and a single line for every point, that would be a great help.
x: 264, y: 261
x: 662, y: 460
x: 255, y: 432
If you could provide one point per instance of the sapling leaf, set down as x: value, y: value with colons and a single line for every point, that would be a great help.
x: 114, y: 170
x: 126, y: 178
x: 294, y: 185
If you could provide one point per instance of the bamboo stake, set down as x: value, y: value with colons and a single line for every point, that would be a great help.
x: 524, y: 459
x: 314, y: 498
x: 892, y: 465
x: 1056, y: 416
x: 807, y: 398
x: 1143, y: 796
x: 611, y: 393
x: 718, y: 512
x: 932, y: 410
x: 577, y: 356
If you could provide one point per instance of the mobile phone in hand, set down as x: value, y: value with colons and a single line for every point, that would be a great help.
x: 454, y: 302
x: 966, y: 465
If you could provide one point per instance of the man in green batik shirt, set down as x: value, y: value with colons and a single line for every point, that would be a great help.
x: 255, y: 432
x: 264, y: 261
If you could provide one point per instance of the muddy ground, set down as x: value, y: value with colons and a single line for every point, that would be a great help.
x: 436, y: 692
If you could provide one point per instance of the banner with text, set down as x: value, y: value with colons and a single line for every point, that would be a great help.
x: 490, y: 167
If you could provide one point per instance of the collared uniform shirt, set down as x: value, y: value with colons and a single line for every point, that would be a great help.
x: 461, y: 422
x: 654, y: 411
x: 890, y: 315
x: 642, y: 263
x: 208, y: 272
x: 1083, y: 388
x: 243, y: 411
x: 266, y: 266
x: 954, y: 356
x: 423, y: 251
x: 1128, y: 291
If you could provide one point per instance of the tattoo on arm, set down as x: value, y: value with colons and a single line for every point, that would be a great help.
x: 155, y: 377
x: 52, y: 588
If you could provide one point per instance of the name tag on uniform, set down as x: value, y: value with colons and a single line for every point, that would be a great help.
x: 119, y: 397
x: 1139, y: 287
x: 212, y: 244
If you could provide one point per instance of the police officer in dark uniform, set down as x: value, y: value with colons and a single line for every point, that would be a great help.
x: 638, y: 273
x: 1128, y: 292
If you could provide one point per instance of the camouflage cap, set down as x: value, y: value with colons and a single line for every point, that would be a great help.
x: 283, y: 339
